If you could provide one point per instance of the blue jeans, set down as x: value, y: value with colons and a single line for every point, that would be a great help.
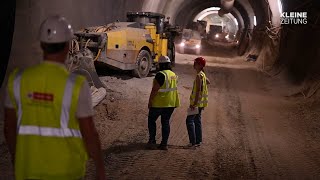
x: 194, y: 128
x: 165, y: 114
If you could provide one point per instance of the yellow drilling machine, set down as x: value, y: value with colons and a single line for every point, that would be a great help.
x: 135, y: 45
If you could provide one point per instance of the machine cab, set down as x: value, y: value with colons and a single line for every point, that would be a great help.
x: 147, y: 17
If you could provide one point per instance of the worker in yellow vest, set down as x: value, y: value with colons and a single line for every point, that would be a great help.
x: 163, y: 100
x: 198, y: 101
x: 48, y: 114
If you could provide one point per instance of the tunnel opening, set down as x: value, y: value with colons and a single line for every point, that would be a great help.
x: 225, y: 26
x: 237, y: 19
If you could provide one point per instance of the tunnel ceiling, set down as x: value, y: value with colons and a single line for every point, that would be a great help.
x: 183, y: 12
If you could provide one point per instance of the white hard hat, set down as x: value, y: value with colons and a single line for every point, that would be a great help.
x: 55, y: 29
x: 164, y: 59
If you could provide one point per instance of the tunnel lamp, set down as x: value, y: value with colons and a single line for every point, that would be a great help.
x: 217, y: 35
x: 280, y: 6
x: 182, y: 44
x: 254, y: 20
x: 236, y: 21
x: 206, y: 12
x: 227, y: 36
x: 197, y: 46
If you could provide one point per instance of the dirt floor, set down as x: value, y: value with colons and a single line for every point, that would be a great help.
x: 251, y: 130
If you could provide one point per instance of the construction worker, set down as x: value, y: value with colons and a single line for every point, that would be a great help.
x: 199, y: 100
x: 162, y: 102
x: 48, y: 114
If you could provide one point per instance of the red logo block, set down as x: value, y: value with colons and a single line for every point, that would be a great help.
x: 42, y: 96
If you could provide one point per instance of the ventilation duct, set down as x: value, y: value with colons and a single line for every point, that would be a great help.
x: 226, y: 7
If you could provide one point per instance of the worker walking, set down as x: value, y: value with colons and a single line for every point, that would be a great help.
x: 163, y: 100
x: 48, y: 114
x: 198, y: 101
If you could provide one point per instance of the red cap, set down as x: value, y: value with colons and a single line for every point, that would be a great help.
x: 201, y: 61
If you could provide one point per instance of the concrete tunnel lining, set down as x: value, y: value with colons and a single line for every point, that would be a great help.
x: 189, y: 11
x: 214, y: 11
x: 187, y: 7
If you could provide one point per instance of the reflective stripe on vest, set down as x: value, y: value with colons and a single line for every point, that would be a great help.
x: 201, y: 95
x: 64, y: 131
x: 47, y: 131
x: 205, y: 96
x: 16, y: 89
x: 203, y: 102
x: 167, y: 84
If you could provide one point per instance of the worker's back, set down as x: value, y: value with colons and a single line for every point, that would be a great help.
x: 49, y: 142
x: 167, y: 95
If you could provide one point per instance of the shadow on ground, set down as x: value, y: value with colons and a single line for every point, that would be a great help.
x: 105, y: 70
x: 127, y: 148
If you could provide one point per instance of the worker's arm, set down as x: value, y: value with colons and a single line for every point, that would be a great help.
x: 198, y: 85
x: 208, y: 81
x: 92, y: 143
x: 89, y: 133
x: 10, y: 124
x: 154, y: 91
x: 10, y: 130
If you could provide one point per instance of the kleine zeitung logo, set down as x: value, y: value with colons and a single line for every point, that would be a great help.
x: 294, y: 18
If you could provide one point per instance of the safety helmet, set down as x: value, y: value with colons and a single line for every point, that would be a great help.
x: 55, y: 29
x: 164, y: 59
x: 201, y: 61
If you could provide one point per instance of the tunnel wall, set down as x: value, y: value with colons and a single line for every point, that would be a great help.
x: 300, y: 48
x: 80, y: 13
x: 261, y: 45
x: 8, y: 18
x: 186, y: 15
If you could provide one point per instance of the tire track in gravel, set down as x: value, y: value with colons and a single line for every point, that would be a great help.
x: 277, y: 131
x: 233, y: 158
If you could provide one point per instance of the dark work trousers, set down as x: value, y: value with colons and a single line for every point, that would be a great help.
x: 165, y: 114
x: 194, y: 128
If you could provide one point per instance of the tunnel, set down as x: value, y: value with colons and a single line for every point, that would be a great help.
x: 255, y: 33
x: 255, y: 21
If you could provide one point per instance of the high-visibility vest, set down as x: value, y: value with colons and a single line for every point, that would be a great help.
x: 167, y: 95
x: 203, y: 96
x: 49, y: 142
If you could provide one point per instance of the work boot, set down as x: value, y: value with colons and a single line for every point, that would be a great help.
x: 151, y: 145
x: 163, y: 147
x: 191, y: 146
